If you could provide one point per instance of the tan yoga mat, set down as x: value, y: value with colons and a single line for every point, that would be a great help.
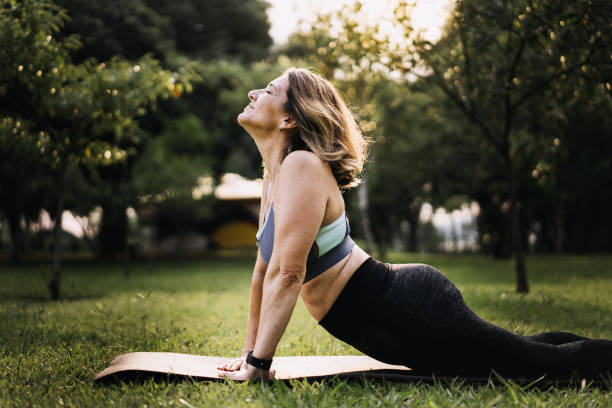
x: 205, y: 367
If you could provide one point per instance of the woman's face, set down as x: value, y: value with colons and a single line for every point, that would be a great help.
x: 266, y: 111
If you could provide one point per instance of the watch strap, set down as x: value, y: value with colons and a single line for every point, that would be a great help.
x: 258, y: 362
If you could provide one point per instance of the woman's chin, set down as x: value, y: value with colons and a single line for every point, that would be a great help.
x: 244, y: 121
x: 242, y: 118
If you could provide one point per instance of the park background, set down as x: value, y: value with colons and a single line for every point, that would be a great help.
x: 491, y: 158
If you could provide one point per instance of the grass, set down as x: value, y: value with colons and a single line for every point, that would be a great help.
x: 50, y: 351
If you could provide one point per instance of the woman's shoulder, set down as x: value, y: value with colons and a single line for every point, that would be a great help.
x: 302, y: 169
x: 305, y: 174
x: 303, y: 160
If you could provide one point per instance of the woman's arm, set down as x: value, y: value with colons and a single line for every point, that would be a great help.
x: 257, y: 280
x: 253, y: 320
x: 298, y: 213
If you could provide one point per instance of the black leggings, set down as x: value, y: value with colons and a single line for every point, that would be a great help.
x: 413, y: 315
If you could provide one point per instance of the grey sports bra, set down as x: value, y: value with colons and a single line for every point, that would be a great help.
x: 328, y: 235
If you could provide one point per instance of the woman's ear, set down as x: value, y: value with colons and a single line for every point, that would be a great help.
x: 288, y: 123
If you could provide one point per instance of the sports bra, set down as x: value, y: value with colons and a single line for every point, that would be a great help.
x: 332, y: 243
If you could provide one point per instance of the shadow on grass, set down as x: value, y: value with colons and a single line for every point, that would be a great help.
x: 44, y: 299
x: 135, y: 377
x: 42, y: 296
x: 217, y: 274
x: 95, y: 280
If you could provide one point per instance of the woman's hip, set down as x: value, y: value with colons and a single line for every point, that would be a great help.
x: 387, y: 304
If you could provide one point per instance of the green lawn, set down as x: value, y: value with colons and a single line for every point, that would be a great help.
x: 50, y: 351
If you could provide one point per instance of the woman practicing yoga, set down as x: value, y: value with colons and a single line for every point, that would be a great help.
x: 408, y: 314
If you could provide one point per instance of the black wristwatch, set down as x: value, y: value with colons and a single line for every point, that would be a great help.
x: 258, y: 362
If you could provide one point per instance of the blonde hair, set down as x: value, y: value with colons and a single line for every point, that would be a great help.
x: 325, y: 126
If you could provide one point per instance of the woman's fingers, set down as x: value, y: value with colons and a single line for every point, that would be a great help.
x: 243, y: 375
x: 239, y: 365
x: 234, y: 375
x: 229, y: 367
x: 233, y: 365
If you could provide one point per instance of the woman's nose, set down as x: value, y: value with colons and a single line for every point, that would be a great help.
x: 252, y: 95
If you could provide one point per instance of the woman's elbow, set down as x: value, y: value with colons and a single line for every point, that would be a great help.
x: 291, y: 275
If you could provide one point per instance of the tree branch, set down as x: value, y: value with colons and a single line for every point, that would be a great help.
x: 468, y: 64
x: 454, y: 97
x: 544, y: 83
x: 508, y: 107
x: 516, y: 60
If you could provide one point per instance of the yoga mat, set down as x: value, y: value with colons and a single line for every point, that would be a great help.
x: 146, y: 364
x: 205, y: 367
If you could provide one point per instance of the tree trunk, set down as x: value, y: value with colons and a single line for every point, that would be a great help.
x: 16, y: 235
x: 522, y: 286
x: 113, y: 229
x: 127, y: 265
x: 382, y: 250
x: 559, y: 228
x: 362, y: 195
x: 380, y: 238
x: 26, y: 235
x: 454, y: 235
x: 56, y: 278
x: 413, y: 222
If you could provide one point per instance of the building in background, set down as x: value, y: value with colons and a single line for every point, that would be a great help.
x: 238, y: 221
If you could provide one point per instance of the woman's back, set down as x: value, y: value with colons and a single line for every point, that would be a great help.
x: 321, y: 292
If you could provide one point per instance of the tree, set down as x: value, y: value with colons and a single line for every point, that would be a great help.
x: 406, y: 161
x: 130, y: 28
x: 495, y: 57
x: 177, y: 32
x: 21, y: 177
x: 573, y: 168
x: 214, y: 29
x: 168, y: 171
x: 495, y: 65
x: 79, y: 113
x: 218, y: 100
x: 204, y: 30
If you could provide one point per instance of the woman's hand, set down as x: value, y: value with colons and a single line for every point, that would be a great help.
x: 234, y: 365
x: 249, y: 373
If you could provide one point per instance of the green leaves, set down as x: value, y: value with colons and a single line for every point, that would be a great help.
x: 86, y: 109
x: 172, y: 162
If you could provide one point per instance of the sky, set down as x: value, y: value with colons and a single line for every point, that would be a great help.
x: 428, y: 15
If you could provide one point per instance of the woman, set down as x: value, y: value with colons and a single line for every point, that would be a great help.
x: 400, y: 314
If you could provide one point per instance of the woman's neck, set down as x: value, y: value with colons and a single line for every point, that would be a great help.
x: 271, y: 151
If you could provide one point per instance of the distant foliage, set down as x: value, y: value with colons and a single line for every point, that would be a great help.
x: 514, y: 115
x: 204, y: 30
x: 74, y: 114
